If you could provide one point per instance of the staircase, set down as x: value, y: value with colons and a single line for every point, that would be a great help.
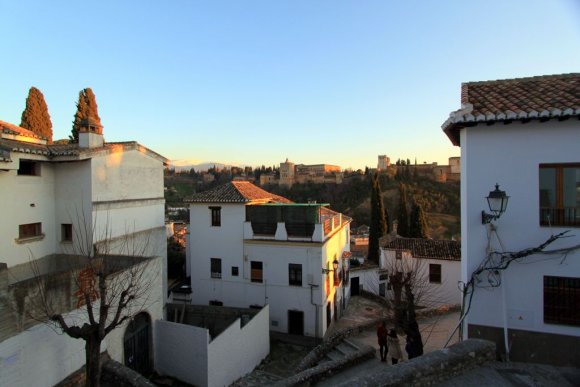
x: 340, y: 352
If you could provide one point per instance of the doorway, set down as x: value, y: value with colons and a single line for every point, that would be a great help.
x: 296, y: 322
x: 137, y: 344
x: 354, y: 286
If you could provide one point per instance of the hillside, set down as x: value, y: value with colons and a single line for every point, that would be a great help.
x: 440, y: 201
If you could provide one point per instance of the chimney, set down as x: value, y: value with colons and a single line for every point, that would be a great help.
x: 90, y: 134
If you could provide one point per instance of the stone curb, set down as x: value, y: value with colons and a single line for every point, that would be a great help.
x: 328, y: 368
x: 433, y: 367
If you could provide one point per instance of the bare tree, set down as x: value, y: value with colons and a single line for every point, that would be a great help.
x: 108, y: 279
x: 409, y: 287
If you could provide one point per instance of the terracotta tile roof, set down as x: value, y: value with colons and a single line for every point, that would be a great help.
x: 237, y: 192
x: 427, y: 248
x: 8, y: 128
x: 540, y: 98
x: 54, y: 151
x: 24, y: 147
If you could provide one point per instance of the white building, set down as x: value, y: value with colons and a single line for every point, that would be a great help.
x: 249, y: 248
x: 53, y: 199
x: 435, y: 265
x: 523, y: 134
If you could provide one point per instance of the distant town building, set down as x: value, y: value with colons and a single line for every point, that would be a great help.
x: 384, y: 163
x: 441, y: 173
x: 291, y: 174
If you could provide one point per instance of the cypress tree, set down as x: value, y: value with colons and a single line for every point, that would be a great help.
x: 86, y: 109
x: 403, y: 218
x: 418, y: 227
x: 35, y: 116
x: 378, y: 225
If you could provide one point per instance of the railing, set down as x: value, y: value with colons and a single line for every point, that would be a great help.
x: 327, y: 226
x: 567, y: 216
x: 262, y: 228
x: 299, y: 229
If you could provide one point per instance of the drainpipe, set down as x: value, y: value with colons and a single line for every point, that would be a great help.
x: 505, y: 319
x: 315, y: 310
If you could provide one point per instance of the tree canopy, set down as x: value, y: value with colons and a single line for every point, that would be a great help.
x: 378, y: 226
x: 403, y: 218
x: 35, y: 116
x: 418, y: 226
x: 86, y: 109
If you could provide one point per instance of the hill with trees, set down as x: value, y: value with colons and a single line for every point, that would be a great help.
x: 435, y: 202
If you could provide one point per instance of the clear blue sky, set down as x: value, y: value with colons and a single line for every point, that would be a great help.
x: 256, y: 82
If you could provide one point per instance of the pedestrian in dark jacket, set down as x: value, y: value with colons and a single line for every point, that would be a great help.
x: 382, y: 340
x: 412, y: 347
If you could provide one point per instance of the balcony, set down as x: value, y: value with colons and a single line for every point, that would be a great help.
x: 292, y: 222
x: 566, y: 216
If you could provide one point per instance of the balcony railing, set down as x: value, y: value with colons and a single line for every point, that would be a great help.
x: 262, y: 228
x: 567, y: 216
x: 299, y: 229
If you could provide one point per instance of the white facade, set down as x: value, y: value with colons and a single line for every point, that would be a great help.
x: 529, y: 146
x: 516, y: 169
x: 430, y: 291
x: 187, y: 352
x: 111, y: 192
x: 315, y: 298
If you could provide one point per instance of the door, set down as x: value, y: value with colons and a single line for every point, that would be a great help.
x: 296, y: 322
x: 137, y: 344
x: 328, y: 314
x: 354, y: 286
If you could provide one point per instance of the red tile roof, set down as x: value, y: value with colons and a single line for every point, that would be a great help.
x: 541, y: 98
x: 237, y: 192
x: 427, y: 248
x: 8, y: 128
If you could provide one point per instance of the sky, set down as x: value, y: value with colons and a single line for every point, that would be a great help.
x: 256, y: 82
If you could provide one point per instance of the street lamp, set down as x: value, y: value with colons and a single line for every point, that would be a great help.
x: 334, y: 267
x: 497, y: 201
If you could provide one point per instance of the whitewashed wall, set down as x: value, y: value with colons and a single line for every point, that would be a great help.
x: 186, y: 352
x: 181, y: 352
x: 238, y: 350
x: 27, y: 199
x: 206, y: 242
x: 510, y: 155
x: 227, y: 243
x: 429, y: 294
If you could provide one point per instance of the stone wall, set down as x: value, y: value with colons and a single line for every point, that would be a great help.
x: 531, y: 347
x: 429, y: 369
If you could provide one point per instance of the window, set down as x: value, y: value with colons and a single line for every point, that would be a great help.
x: 29, y: 168
x: 30, y: 230
x: 235, y: 271
x: 398, y: 254
x: 434, y: 273
x: 66, y: 234
x: 561, y: 300
x: 294, y: 274
x: 216, y: 303
x: 382, y: 291
x: 560, y: 194
x: 256, y: 274
x: 216, y: 216
x: 216, y: 268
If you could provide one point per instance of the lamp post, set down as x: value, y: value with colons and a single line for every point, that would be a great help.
x: 497, y: 201
x: 334, y: 267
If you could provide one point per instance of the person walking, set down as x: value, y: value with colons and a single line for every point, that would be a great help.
x: 382, y: 340
x: 413, y: 349
x: 393, y: 346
